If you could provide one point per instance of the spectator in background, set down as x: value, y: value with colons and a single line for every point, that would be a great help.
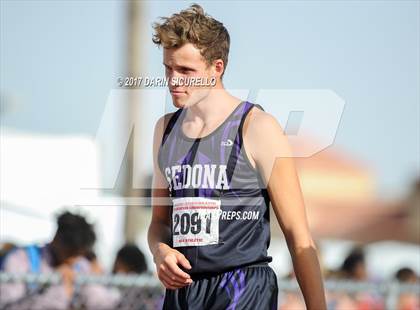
x: 354, y: 266
x: 406, y: 275
x: 354, y: 269
x: 95, y: 266
x: 5, y: 248
x: 130, y: 259
x: 407, y: 301
x: 65, y: 254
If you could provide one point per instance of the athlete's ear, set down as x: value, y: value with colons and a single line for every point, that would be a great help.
x: 219, y: 67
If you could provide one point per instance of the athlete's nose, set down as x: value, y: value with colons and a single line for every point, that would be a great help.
x: 175, y: 80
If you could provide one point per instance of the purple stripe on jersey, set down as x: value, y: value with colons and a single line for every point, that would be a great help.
x: 238, y: 146
x: 225, y: 136
x: 188, y: 157
x: 183, y: 161
x: 203, y: 159
x: 206, y: 192
x: 242, y: 109
x: 240, y: 112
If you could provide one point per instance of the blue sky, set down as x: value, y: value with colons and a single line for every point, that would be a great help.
x: 59, y: 61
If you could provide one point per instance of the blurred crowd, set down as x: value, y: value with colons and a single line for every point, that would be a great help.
x: 354, y: 268
x: 71, y: 253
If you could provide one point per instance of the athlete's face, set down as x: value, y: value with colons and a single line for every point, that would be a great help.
x: 184, y: 63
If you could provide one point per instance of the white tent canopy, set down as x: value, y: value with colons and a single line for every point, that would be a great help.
x: 40, y: 176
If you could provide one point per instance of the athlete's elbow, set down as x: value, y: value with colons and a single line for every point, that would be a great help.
x: 300, y: 241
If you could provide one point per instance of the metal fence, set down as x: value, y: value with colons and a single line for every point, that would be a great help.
x: 146, y: 292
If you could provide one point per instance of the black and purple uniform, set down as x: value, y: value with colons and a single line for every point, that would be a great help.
x: 224, y: 229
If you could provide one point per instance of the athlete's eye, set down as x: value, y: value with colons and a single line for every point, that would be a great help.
x: 185, y: 70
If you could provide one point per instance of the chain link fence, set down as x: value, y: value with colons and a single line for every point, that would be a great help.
x: 146, y: 292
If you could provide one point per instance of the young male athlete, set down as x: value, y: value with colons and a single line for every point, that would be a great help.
x: 219, y: 161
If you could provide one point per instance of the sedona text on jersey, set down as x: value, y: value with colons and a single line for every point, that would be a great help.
x: 197, y: 176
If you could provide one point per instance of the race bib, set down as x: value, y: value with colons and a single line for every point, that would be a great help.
x: 195, y: 221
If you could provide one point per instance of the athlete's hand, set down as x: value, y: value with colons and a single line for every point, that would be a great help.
x: 169, y: 273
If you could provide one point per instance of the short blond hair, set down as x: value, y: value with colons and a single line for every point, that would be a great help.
x: 194, y: 26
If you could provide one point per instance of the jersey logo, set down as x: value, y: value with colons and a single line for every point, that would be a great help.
x: 228, y: 142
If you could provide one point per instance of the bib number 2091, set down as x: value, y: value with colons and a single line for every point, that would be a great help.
x: 195, y: 221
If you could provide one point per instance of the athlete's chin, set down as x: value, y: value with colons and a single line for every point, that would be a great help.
x: 179, y: 102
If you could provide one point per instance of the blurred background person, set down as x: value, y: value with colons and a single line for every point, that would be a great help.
x: 407, y: 301
x: 130, y: 260
x: 5, y: 248
x: 354, y: 269
x: 354, y: 265
x: 65, y: 254
x: 95, y: 265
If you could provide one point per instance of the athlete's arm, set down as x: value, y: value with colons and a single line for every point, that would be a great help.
x: 159, y: 233
x: 271, y: 152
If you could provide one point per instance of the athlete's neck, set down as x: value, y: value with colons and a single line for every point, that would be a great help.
x: 215, y: 107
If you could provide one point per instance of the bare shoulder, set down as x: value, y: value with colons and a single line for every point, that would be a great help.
x: 263, y: 137
x: 261, y: 124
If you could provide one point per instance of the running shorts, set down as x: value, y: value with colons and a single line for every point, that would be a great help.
x: 250, y: 287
